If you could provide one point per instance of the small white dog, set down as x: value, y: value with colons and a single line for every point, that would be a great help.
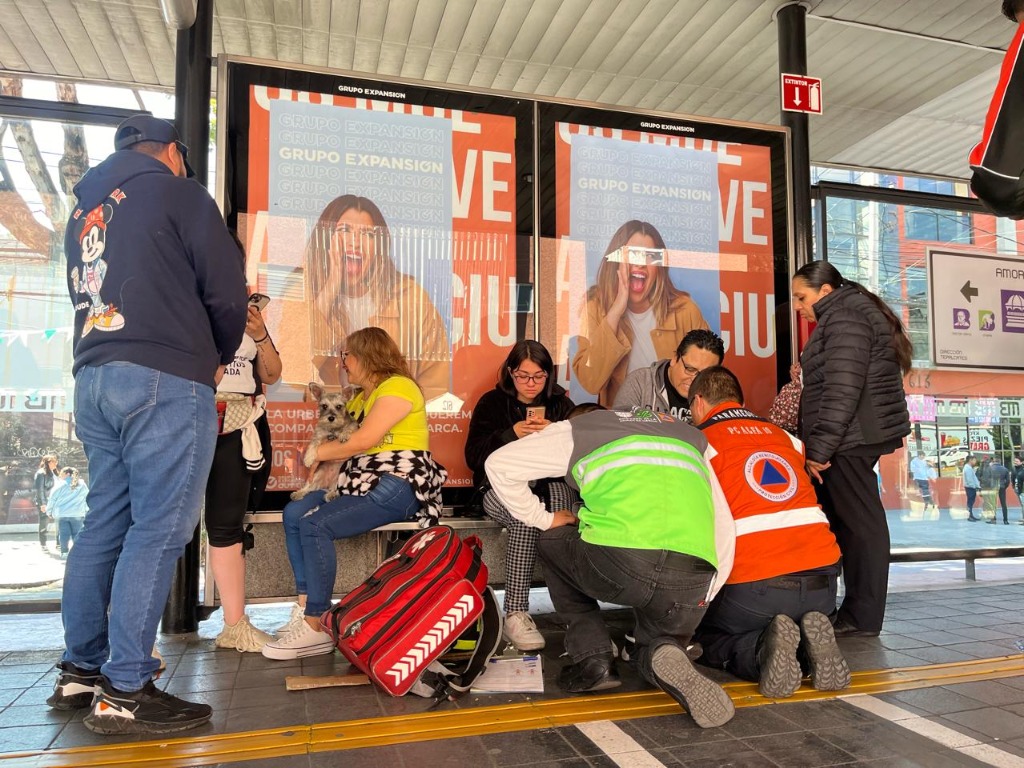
x: 334, y: 423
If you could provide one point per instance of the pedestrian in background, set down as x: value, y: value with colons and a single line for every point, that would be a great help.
x: 67, y: 505
x: 922, y: 473
x: 972, y: 485
x: 42, y: 484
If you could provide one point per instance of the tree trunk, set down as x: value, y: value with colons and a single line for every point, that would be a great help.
x: 71, y: 167
x: 75, y: 161
x: 15, y: 215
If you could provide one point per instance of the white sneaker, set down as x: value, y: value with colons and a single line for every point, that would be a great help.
x: 522, y: 632
x: 297, y: 617
x: 301, y: 642
x: 242, y: 636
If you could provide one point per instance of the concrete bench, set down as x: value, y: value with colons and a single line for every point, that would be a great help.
x: 269, y: 579
x: 967, y: 555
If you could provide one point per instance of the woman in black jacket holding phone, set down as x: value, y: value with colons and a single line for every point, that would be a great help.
x: 525, y: 400
x: 853, y: 411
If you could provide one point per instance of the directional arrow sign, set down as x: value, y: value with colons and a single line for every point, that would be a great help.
x: 968, y: 292
x: 976, y: 310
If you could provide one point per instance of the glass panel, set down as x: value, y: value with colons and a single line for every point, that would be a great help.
x: 956, y: 414
x: 402, y: 214
x: 868, y: 178
x: 40, y: 161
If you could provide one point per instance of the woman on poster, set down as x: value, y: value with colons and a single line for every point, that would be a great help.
x: 351, y: 283
x: 853, y: 410
x: 635, y: 315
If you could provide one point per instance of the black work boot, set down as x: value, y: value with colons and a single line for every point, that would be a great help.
x: 594, y: 673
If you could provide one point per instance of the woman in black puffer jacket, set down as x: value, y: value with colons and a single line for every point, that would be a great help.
x: 853, y: 411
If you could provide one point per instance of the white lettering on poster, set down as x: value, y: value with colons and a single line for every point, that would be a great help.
x: 462, y: 192
x: 492, y: 186
x: 746, y: 189
x: 747, y: 317
x: 470, y: 335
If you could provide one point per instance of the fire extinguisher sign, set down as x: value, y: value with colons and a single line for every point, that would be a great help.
x: 801, y: 93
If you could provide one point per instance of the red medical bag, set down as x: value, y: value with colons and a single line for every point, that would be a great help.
x: 412, y: 609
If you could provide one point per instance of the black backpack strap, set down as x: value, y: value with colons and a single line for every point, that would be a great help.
x: 443, y: 684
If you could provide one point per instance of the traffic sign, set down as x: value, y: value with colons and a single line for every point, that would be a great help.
x: 801, y: 93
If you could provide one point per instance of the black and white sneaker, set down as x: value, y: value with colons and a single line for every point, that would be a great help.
x: 74, y: 688
x: 149, y: 710
x: 706, y: 701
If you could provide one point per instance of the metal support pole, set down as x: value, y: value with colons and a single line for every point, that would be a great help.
x: 791, y: 20
x: 192, y: 119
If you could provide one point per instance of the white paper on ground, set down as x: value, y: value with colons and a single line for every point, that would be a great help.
x: 520, y: 674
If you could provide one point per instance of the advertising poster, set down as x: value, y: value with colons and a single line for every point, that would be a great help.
x: 681, y: 226
x: 378, y: 212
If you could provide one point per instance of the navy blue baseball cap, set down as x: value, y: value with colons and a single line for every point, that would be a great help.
x: 148, y: 128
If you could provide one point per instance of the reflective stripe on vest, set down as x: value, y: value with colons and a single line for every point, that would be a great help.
x: 639, y: 450
x: 773, y: 521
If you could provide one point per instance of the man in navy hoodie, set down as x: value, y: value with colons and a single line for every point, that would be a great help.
x: 160, y: 308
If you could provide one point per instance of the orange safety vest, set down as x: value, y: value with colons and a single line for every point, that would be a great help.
x: 780, y: 527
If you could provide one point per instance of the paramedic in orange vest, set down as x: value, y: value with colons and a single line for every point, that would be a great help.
x: 769, y: 623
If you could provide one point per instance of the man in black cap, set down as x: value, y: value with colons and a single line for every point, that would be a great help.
x: 160, y: 308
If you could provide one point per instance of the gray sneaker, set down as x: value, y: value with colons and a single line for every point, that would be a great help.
x: 829, y: 671
x: 780, y: 670
x: 706, y: 701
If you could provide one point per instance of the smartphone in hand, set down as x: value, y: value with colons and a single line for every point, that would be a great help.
x: 259, y: 301
x: 535, y: 413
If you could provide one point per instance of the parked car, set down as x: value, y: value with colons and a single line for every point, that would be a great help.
x: 16, y: 505
x: 953, y: 456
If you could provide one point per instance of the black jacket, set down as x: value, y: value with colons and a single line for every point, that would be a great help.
x: 153, y: 273
x: 490, y: 427
x: 853, y: 387
x: 42, y: 484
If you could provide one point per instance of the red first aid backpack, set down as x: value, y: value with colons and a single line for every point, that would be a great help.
x: 396, y: 624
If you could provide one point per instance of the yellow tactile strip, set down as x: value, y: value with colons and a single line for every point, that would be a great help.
x: 474, y: 721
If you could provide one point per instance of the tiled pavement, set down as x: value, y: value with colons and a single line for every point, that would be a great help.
x: 247, y: 692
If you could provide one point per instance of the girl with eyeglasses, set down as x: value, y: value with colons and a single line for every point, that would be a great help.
x: 352, y: 282
x: 510, y: 412
x: 635, y: 315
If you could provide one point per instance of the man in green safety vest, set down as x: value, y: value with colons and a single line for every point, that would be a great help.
x: 654, y: 532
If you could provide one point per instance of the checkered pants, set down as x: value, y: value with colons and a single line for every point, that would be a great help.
x: 521, y: 555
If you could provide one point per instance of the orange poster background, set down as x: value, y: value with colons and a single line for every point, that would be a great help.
x: 746, y: 277
x: 483, y: 261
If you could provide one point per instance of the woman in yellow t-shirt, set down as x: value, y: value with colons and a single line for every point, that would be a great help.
x: 388, y: 476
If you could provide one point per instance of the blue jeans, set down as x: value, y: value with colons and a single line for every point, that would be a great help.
x: 311, y: 527
x: 68, y: 529
x: 149, y: 439
x: 972, y: 494
x: 731, y: 629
